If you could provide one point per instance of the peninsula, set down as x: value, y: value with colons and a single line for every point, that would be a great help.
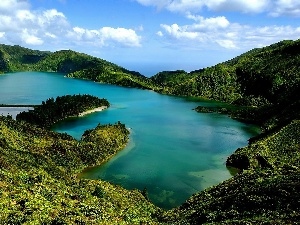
x: 51, y: 111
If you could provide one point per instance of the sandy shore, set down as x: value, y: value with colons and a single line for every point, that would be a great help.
x: 93, y: 110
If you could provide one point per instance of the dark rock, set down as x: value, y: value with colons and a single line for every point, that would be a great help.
x: 263, y: 162
x: 238, y: 161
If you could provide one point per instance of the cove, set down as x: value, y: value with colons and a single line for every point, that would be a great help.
x: 173, y: 152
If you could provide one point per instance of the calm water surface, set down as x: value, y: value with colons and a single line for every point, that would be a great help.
x: 174, y: 152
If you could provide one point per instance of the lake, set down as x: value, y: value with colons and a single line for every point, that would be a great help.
x: 173, y: 151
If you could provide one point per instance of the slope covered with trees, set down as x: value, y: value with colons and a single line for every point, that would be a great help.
x: 73, y: 64
x: 266, y: 81
x: 265, y: 191
x: 39, y: 184
x: 51, y: 111
x: 16, y: 58
x: 258, y: 77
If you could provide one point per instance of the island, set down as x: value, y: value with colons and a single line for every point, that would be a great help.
x: 53, y: 110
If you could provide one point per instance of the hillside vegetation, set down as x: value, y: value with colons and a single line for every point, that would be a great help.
x: 52, y: 111
x: 265, y: 191
x: 260, y: 76
x: 73, y: 64
x: 38, y: 166
x: 39, y: 184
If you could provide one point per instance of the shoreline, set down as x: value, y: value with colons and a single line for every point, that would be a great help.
x: 98, y: 109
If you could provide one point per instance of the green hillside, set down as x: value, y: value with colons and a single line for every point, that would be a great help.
x: 38, y: 167
x: 265, y: 191
x: 260, y: 76
x: 74, y: 64
x: 16, y: 58
x: 39, y: 184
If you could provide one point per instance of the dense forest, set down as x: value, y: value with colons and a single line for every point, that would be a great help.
x: 259, y: 77
x: 264, y: 81
x: 73, y: 64
x: 51, y: 111
x: 39, y: 184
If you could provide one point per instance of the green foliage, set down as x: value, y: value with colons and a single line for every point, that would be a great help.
x: 39, y: 184
x: 37, y: 167
x: 170, y: 78
x: 17, y: 58
x: 279, y: 147
x: 111, y: 137
x: 265, y: 193
x: 258, y: 77
x: 67, y: 61
x: 114, y: 75
x: 261, y: 197
x: 74, y: 64
x: 52, y: 111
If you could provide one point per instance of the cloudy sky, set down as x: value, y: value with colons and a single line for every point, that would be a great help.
x: 150, y: 35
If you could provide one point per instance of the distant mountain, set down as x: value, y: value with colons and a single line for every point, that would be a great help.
x: 16, y: 58
x: 265, y: 190
x: 74, y: 64
x: 260, y: 76
x: 267, y: 78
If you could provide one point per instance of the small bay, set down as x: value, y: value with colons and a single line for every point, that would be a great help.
x: 173, y: 151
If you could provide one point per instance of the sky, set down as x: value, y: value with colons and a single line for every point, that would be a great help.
x: 150, y: 36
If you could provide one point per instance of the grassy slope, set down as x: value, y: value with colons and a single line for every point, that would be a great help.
x: 74, y: 64
x: 39, y: 185
x: 265, y: 193
x: 257, y: 77
x: 268, y: 190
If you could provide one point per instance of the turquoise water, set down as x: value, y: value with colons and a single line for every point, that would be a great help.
x: 173, y: 152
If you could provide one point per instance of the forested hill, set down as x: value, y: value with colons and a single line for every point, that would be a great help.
x: 16, y: 58
x: 74, y: 64
x: 260, y: 76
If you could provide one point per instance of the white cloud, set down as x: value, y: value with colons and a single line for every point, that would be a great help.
x: 159, y: 33
x: 218, y: 32
x: 7, y: 6
x: 185, y: 5
x: 156, y: 3
x: 125, y: 36
x: 271, y: 7
x: 208, y: 23
x: 106, y: 36
x: 21, y: 25
x: 214, y: 5
x: 5, y: 23
x: 30, y: 38
x: 140, y: 28
x: 50, y: 35
x: 179, y: 32
x: 204, y: 31
x: 226, y: 44
x: 245, y: 6
x: 24, y: 14
x: 286, y: 8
